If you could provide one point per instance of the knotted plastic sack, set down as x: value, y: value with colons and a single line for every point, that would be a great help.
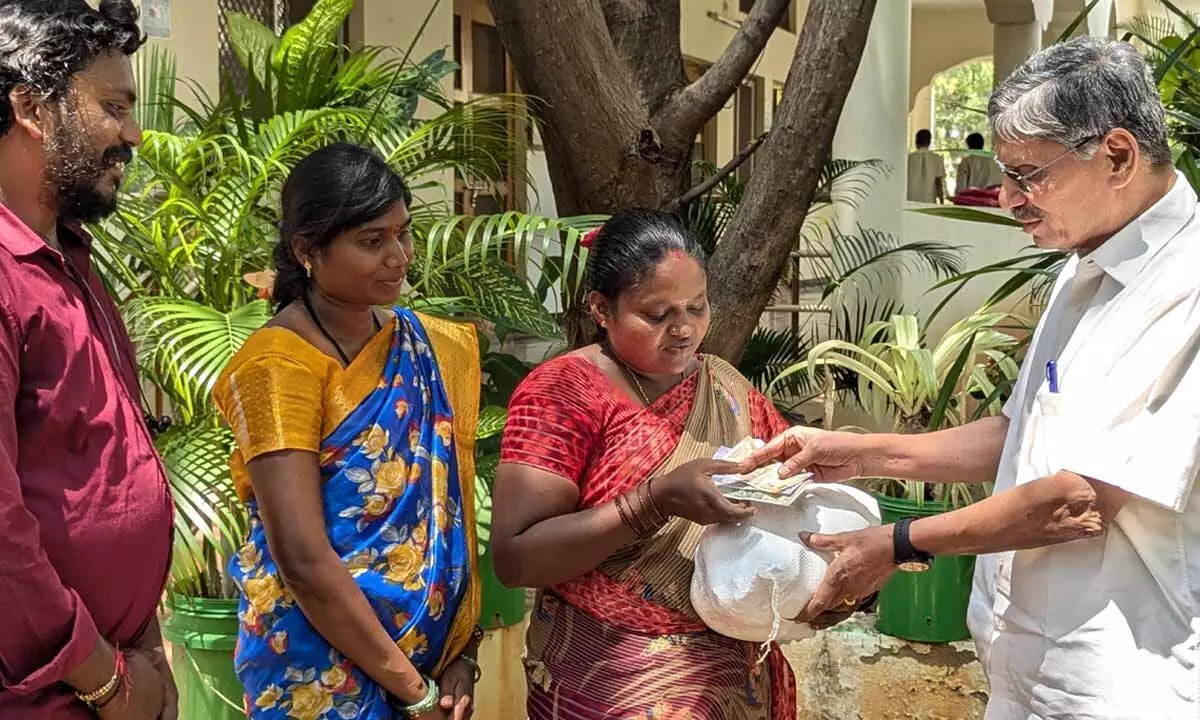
x: 752, y: 577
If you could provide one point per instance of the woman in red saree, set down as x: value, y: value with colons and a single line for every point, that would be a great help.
x: 604, y: 485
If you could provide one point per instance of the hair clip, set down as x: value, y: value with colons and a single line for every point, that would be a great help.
x: 588, y: 238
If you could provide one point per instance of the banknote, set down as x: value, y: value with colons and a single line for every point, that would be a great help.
x: 761, y: 485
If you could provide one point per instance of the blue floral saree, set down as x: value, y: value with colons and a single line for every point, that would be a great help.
x: 398, y: 508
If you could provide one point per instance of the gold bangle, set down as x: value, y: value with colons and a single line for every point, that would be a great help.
x: 90, y: 699
x: 646, y: 489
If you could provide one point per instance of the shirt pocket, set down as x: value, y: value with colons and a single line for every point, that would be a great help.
x: 1052, y: 434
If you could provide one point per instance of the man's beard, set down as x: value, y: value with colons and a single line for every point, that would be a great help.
x: 74, y: 171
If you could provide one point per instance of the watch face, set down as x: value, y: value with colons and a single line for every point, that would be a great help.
x: 913, y: 566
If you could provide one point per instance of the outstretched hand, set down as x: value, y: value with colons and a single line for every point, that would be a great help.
x: 830, y: 456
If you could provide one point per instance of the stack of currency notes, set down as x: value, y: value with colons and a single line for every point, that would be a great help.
x: 762, y: 485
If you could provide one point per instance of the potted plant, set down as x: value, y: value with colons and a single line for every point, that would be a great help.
x: 907, y: 386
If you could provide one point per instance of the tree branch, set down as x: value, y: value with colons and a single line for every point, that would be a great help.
x: 691, y: 107
x: 710, y: 183
x: 755, y: 248
x: 646, y: 34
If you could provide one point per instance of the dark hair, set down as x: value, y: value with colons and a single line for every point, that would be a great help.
x: 44, y: 43
x: 975, y: 141
x: 334, y: 189
x: 630, y: 245
x: 924, y: 138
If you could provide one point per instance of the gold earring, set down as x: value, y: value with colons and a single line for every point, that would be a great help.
x: 308, y: 268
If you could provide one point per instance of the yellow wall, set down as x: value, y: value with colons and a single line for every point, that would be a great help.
x: 194, y: 43
x: 705, y: 37
x: 943, y: 38
x: 394, y: 23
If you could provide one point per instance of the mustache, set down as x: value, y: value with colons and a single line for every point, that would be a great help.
x: 1026, y: 214
x: 122, y: 154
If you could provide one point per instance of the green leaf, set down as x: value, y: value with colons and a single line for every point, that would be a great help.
x: 185, y: 345
x: 491, y: 422
x: 504, y: 372
x: 317, y: 32
x: 209, y: 517
x: 938, y: 412
x: 253, y: 44
x: 969, y: 215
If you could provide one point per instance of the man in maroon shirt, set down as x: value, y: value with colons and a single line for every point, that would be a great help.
x: 85, y: 511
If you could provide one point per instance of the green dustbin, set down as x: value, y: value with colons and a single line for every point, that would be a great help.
x: 500, y: 606
x: 203, y: 634
x: 930, y: 606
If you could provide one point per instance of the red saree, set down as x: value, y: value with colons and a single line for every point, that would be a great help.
x: 623, y: 640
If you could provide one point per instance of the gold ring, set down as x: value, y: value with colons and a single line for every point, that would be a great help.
x: 849, y: 602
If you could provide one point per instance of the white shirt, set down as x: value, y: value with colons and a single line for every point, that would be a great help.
x: 1107, y: 627
x: 924, y: 167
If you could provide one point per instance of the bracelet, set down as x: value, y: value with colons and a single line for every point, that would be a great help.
x: 474, y: 665
x: 659, y: 518
x: 652, y: 524
x: 429, y: 703
x: 627, y: 515
x: 108, y: 689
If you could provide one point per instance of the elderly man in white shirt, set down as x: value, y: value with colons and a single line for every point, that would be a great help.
x: 1086, y: 593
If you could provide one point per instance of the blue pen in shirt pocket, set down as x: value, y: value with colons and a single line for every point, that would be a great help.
x: 1052, y: 375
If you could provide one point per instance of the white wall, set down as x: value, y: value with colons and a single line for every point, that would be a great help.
x: 982, y: 244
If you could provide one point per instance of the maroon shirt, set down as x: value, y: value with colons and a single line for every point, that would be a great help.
x: 85, y: 510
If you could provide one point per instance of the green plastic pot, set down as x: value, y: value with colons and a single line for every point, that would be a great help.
x: 203, y: 635
x: 499, y: 606
x: 930, y: 606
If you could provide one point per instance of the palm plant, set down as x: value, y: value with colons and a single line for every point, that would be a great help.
x: 904, y: 383
x: 1170, y: 45
x: 850, y: 271
x: 200, y: 209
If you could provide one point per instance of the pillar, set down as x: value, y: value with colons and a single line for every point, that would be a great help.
x: 922, y: 112
x: 1013, y: 44
x: 874, y: 125
x: 874, y: 121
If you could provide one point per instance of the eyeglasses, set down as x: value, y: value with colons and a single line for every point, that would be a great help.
x: 1023, y: 181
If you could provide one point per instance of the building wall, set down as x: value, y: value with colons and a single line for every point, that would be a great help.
x: 943, y: 38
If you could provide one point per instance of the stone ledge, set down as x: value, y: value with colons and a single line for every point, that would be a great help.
x: 852, y: 672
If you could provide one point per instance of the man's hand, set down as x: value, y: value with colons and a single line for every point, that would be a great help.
x: 830, y: 456
x: 864, y: 560
x: 457, y: 685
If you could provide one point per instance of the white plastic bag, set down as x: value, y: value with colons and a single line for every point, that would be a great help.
x: 752, y: 577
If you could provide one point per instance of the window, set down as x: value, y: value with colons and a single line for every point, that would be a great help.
x: 458, y: 52
x: 484, y: 69
x: 748, y: 123
x: 489, y: 63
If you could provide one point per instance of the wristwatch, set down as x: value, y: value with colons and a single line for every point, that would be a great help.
x: 907, y: 557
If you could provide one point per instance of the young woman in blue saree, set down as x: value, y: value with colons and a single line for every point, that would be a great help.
x: 355, y: 437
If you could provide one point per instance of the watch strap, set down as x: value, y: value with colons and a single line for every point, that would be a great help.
x: 903, y: 550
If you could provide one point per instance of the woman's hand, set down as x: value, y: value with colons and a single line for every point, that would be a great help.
x: 689, y: 492
x: 140, y: 696
x: 458, y: 690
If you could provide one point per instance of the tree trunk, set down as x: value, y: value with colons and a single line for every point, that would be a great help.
x: 619, y: 119
x: 755, y: 249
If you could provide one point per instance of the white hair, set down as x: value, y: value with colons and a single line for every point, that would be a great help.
x: 1078, y: 90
